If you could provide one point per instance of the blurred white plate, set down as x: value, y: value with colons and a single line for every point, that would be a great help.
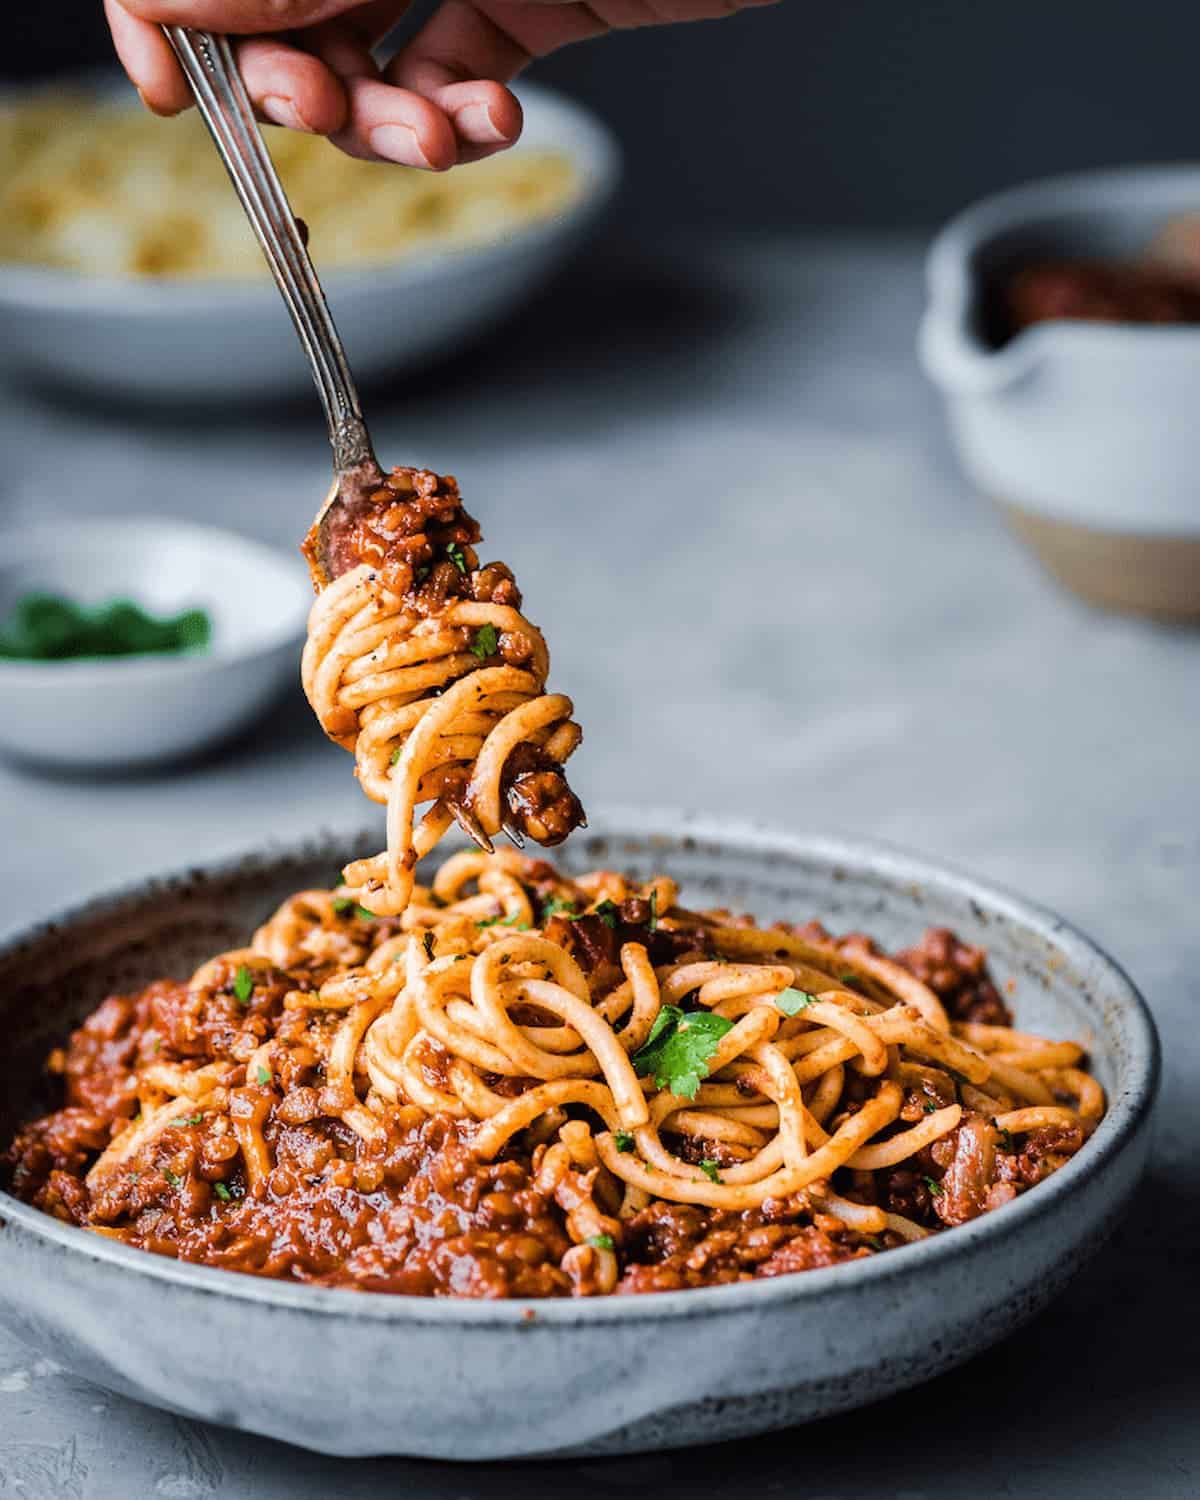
x: 163, y: 340
x: 134, y: 710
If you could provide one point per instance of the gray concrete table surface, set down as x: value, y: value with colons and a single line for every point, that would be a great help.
x: 730, y: 502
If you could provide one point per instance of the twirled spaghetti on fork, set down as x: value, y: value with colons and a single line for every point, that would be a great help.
x: 420, y: 662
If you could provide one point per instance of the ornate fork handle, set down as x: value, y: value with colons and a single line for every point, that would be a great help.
x: 211, y: 69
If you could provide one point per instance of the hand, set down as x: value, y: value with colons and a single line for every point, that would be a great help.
x: 441, y: 100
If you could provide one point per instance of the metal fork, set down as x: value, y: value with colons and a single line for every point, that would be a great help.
x: 211, y: 68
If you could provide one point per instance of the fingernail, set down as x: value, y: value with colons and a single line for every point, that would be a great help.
x: 283, y: 112
x: 398, y: 143
x: 163, y: 114
x: 475, y: 123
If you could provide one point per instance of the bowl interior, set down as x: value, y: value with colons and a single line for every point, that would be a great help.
x: 1059, y: 984
x: 552, y: 121
x: 255, y: 597
x: 1107, y: 215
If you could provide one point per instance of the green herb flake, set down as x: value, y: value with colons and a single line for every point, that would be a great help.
x: 341, y: 905
x: 485, y: 643
x: 710, y: 1169
x: 502, y: 921
x: 455, y: 553
x: 187, y: 1120
x: 172, y: 1178
x: 1007, y: 1144
x: 875, y: 1242
x: 851, y: 981
x: 365, y: 915
x: 263, y: 1075
x: 558, y: 907
x: 623, y: 1141
x: 222, y: 1192
x: 243, y: 984
x: 677, y: 1051
x: 601, y: 1241
x: 933, y: 1185
x: 394, y: 757
x: 929, y: 1107
x: 608, y: 912
x: 652, y: 925
x: 792, y: 1001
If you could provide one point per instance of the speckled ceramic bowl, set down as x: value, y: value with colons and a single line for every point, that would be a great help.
x: 349, y: 1373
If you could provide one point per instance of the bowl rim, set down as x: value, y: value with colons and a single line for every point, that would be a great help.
x: 89, y: 670
x: 953, y: 351
x: 592, y: 147
x: 1128, y: 1112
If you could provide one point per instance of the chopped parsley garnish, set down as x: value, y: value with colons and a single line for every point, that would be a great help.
x: 709, y: 1168
x: 427, y: 943
x: 395, y: 755
x: 342, y: 904
x: 1006, y: 1140
x: 851, y: 981
x: 243, y: 984
x: 608, y: 912
x: 502, y: 921
x: 929, y: 1107
x: 623, y: 1141
x: 792, y: 1001
x: 361, y: 911
x: 933, y: 1185
x: 875, y: 1242
x: 455, y: 553
x: 601, y: 1241
x: 222, y: 1192
x: 172, y: 1178
x: 557, y: 906
x: 652, y: 925
x: 188, y: 1120
x: 678, y: 1049
x: 264, y: 1076
x: 485, y: 642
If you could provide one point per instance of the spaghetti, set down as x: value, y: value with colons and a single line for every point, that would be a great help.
x: 420, y: 662
x: 533, y: 1085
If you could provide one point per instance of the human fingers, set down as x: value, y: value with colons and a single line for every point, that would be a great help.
x: 146, y: 56
x: 239, y: 17
x: 292, y: 88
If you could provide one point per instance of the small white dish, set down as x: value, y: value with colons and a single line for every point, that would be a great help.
x: 170, y: 340
x: 126, y: 711
x: 1083, y: 432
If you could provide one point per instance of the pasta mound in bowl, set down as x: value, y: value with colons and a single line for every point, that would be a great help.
x: 122, y: 246
x: 449, y: 1145
x: 95, y: 187
x: 535, y: 1085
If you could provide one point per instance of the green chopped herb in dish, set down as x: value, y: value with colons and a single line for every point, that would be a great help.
x: 792, y: 1001
x: 677, y: 1051
x: 243, y: 984
x: 47, y: 627
x: 485, y: 643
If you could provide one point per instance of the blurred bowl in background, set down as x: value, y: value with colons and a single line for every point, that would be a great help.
x: 153, y: 301
x: 118, y: 712
x: 1085, y: 433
